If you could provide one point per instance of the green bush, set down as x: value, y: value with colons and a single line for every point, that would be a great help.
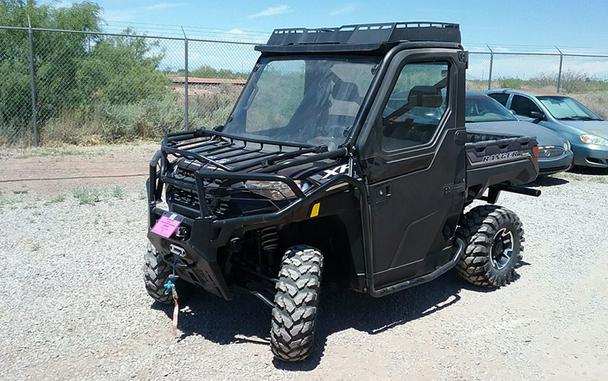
x: 111, y: 123
x: 120, y: 70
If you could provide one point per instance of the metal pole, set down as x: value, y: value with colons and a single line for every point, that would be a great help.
x: 32, y: 84
x: 186, y: 101
x: 559, y: 73
x: 491, y: 67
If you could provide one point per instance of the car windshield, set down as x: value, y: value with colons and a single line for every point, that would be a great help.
x: 306, y: 101
x: 481, y: 108
x: 566, y: 108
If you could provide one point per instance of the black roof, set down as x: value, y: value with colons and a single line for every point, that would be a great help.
x: 361, y: 37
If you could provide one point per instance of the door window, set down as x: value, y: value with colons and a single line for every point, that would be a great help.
x: 501, y: 98
x: 523, y: 106
x: 416, y: 105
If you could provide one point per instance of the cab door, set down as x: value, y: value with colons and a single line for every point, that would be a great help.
x: 413, y: 159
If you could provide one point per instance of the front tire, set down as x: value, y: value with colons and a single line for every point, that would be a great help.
x: 494, y: 237
x: 156, y: 273
x: 296, y: 302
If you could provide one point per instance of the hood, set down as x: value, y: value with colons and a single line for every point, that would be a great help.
x: 543, y: 136
x: 593, y: 127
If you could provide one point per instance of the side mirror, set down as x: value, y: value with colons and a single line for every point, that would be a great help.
x: 537, y: 115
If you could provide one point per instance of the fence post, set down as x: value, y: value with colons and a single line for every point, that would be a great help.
x: 559, y: 73
x: 30, y: 36
x: 491, y: 67
x: 186, y: 84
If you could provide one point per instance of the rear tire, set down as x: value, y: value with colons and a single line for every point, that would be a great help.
x: 296, y: 301
x: 494, y: 237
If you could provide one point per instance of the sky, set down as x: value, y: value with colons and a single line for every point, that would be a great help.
x: 506, y: 25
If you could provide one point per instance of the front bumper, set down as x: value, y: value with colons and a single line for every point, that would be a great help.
x: 551, y: 165
x: 195, y: 255
x: 591, y: 156
x: 201, y: 251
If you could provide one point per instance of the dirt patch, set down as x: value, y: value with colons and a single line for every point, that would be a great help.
x: 57, y: 170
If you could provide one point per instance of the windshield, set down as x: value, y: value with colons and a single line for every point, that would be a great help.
x: 307, y: 100
x: 481, y: 108
x: 566, y: 108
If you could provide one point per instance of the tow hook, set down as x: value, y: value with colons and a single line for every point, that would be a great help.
x: 177, y: 251
x: 169, y: 287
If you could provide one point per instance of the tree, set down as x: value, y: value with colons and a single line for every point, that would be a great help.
x: 74, y: 71
x: 121, y: 70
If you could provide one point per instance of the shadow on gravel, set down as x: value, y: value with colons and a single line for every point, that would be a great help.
x: 246, y: 319
x: 222, y: 322
x: 590, y: 171
x: 548, y: 181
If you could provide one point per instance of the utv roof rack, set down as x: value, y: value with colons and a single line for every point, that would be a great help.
x: 362, y: 37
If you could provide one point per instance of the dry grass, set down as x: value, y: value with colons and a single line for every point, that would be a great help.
x: 90, y: 196
x: 62, y: 150
x: 597, y: 102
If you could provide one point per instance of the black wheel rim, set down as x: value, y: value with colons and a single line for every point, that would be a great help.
x: 502, y: 248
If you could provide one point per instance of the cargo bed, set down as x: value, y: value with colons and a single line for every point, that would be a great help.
x: 499, y: 159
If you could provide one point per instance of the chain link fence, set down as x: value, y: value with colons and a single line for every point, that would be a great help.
x: 579, y: 74
x: 555, y: 70
x: 79, y: 87
x: 85, y: 88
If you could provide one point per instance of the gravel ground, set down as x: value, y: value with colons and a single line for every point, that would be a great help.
x: 73, y: 306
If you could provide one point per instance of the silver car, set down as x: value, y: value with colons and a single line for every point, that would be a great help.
x: 585, y: 130
x: 483, y: 115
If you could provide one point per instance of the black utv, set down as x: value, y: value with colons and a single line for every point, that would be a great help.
x: 345, y: 160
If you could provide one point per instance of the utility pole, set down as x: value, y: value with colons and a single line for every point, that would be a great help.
x: 491, y: 67
x: 559, y: 73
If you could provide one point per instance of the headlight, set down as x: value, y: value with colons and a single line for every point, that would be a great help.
x: 592, y: 139
x: 567, y: 146
x: 274, y: 190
